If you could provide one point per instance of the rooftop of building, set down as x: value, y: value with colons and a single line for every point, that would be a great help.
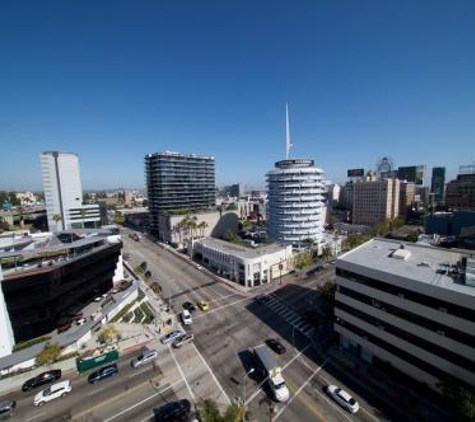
x: 179, y: 154
x: 239, y: 250
x: 43, y: 251
x: 421, y: 263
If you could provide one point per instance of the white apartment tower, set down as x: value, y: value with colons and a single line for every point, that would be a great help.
x: 63, y: 193
x: 295, y: 199
x: 7, y: 340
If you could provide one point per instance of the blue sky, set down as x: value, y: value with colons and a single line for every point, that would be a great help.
x: 113, y: 81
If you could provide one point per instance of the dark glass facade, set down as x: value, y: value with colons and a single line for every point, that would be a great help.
x: 36, y: 300
x: 437, y: 186
x: 178, y: 181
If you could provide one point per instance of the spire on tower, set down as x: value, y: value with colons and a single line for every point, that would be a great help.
x: 288, y: 142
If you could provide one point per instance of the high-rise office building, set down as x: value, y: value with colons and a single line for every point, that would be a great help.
x: 413, y: 174
x: 375, y: 200
x: 460, y: 193
x: 237, y: 190
x: 407, y: 197
x: 295, y: 202
x: 437, y: 186
x: 63, y: 193
x: 178, y: 181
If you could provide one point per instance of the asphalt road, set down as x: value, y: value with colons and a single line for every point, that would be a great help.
x: 215, y: 366
x: 235, y: 323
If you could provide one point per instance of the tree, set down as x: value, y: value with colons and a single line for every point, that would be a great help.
x: 413, y: 236
x: 327, y: 292
x: 462, y: 399
x: 109, y: 334
x: 119, y: 218
x: 50, y: 354
x: 208, y: 411
x: 309, y: 242
x: 232, y: 237
x: 354, y: 240
x: 57, y: 218
x: 327, y: 252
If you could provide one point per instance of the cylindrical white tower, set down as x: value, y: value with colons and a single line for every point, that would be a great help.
x: 295, y: 202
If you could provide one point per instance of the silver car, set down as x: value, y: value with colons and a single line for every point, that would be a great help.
x: 145, y: 357
x: 7, y: 409
x: 185, y: 338
x: 343, y: 398
x: 171, y: 336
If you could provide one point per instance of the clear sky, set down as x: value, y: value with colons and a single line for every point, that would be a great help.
x: 114, y: 80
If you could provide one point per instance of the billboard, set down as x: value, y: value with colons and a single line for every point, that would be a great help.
x: 355, y: 173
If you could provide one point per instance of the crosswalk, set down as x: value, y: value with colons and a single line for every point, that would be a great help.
x: 290, y: 316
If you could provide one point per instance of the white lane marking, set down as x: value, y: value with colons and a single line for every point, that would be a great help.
x: 221, y: 307
x: 223, y: 297
x: 35, y: 416
x: 211, y: 372
x: 95, y: 391
x: 259, y: 387
x: 300, y: 389
x: 181, y: 373
x: 143, y: 401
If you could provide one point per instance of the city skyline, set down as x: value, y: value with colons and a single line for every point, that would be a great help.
x: 214, y: 79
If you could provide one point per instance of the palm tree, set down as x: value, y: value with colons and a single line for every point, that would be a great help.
x: 202, y: 226
x: 57, y: 218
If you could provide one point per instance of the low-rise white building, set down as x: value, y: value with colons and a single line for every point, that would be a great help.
x: 411, y: 306
x: 246, y: 266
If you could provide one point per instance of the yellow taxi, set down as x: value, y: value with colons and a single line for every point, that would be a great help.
x: 203, y: 305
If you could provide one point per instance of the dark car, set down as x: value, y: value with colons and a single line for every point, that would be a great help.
x: 276, y: 346
x: 47, y: 377
x: 103, y: 373
x: 7, y: 408
x: 175, y: 411
x: 189, y: 307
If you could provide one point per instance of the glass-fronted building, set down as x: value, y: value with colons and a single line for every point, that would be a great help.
x: 178, y: 181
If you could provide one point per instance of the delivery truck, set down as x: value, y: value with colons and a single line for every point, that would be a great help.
x: 270, y: 370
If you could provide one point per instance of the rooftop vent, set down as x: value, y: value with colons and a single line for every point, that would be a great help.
x: 401, y: 254
x: 423, y: 264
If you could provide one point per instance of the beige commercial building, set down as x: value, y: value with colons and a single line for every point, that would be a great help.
x: 374, y: 201
x: 407, y: 196
x: 410, y: 306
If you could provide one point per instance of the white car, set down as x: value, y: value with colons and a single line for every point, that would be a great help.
x: 98, y: 299
x: 145, y: 357
x: 60, y: 389
x: 186, y: 317
x: 343, y: 398
x: 81, y: 321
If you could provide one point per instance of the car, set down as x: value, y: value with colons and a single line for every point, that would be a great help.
x: 262, y: 299
x: 75, y: 315
x: 180, y: 341
x: 203, y: 305
x: 7, y: 409
x: 98, y: 299
x: 174, y: 411
x: 81, y: 321
x: 343, y: 398
x: 145, y: 357
x: 47, y: 377
x: 189, y: 307
x: 60, y: 389
x: 103, y: 373
x: 276, y: 346
x: 173, y: 335
x: 186, y: 317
